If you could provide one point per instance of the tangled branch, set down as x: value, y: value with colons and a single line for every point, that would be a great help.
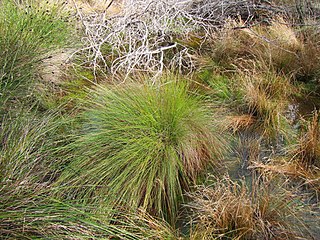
x: 145, y: 36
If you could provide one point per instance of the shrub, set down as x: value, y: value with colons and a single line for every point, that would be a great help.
x: 143, y: 144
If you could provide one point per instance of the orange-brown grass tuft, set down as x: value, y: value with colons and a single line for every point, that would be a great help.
x: 230, y: 210
x: 308, y: 67
x: 308, y: 151
x: 274, y: 46
x: 265, y: 96
x: 303, y: 159
x: 240, y: 122
x: 292, y: 169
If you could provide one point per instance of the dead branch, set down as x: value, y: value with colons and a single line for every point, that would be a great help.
x: 144, y: 36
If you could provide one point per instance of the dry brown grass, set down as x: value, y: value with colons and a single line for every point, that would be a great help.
x: 264, y: 97
x: 280, y: 47
x: 292, y: 169
x: 275, y: 46
x: 230, y: 210
x: 309, y: 57
x: 302, y: 159
x: 308, y: 150
x: 240, y: 122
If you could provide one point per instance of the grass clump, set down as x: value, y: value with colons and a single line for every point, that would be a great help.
x: 275, y: 46
x: 143, y: 144
x: 254, y: 98
x: 25, y: 146
x: 28, y: 32
x: 220, y: 88
x: 28, y: 209
x: 34, y: 214
x: 230, y: 210
x: 307, y: 68
x: 308, y: 150
x: 30, y: 216
x: 265, y: 97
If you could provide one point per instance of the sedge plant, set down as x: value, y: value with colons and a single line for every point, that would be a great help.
x: 142, y: 145
x: 28, y: 209
x: 227, y: 209
x: 265, y: 96
x: 29, y: 32
x: 34, y: 214
x: 25, y: 147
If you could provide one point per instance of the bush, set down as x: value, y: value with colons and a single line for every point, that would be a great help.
x: 143, y: 144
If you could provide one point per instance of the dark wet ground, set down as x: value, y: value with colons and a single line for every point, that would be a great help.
x: 307, y: 105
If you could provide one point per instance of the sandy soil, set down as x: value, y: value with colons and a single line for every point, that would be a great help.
x: 53, y: 67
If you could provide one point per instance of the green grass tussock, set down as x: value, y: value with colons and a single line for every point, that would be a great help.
x: 34, y: 214
x: 28, y: 33
x: 144, y: 144
x: 28, y: 210
x: 26, y: 143
x: 159, y: 120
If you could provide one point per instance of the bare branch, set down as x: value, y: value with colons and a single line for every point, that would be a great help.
x: 144, y: 37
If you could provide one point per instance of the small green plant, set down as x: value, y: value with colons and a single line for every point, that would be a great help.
x: 220, y: 86
x: 144, y: 144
